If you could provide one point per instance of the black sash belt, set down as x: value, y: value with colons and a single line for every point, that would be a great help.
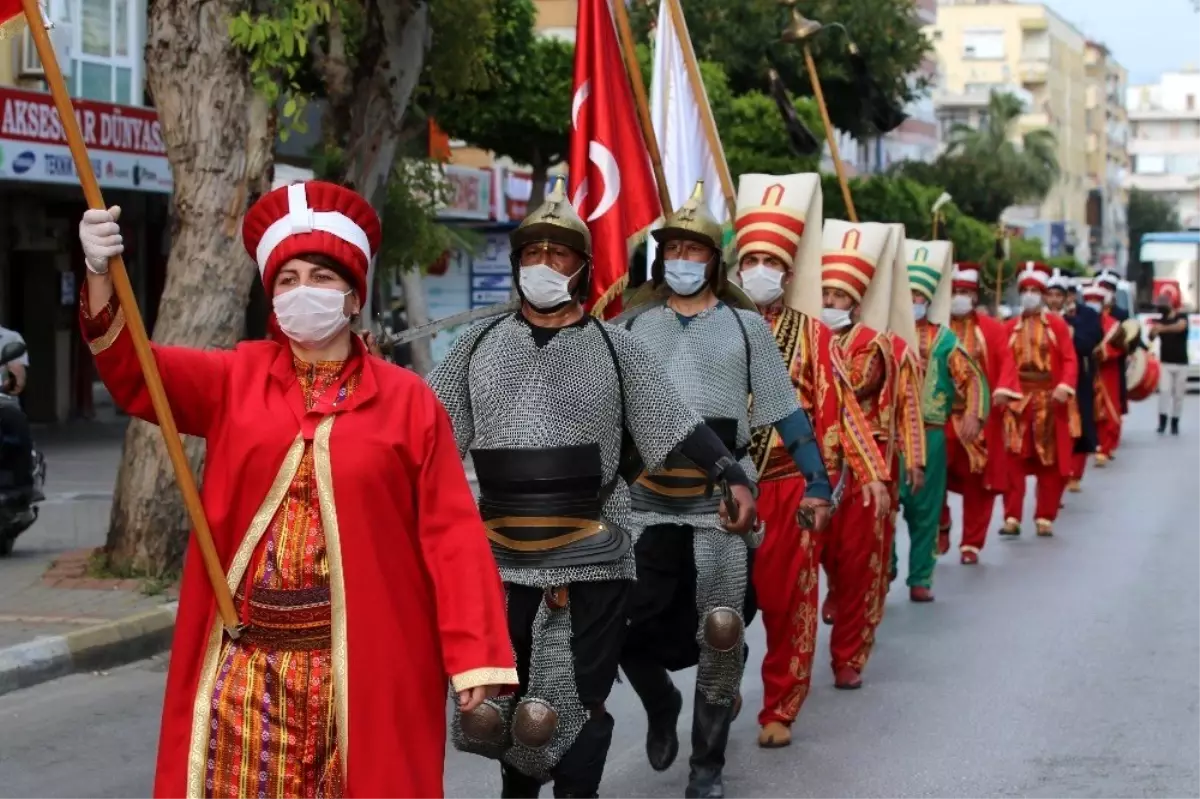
x: 680, y: 486
x: 543, y: 507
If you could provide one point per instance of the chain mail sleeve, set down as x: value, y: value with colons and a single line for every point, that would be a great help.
x: 774, y: 394
x: 656, y: 415
x: 451, y: 382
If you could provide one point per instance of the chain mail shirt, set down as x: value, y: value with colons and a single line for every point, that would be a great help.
x: 705, y: 357
x: 515, y: 394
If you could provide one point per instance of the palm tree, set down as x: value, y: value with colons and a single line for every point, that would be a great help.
x: 1031, y: 162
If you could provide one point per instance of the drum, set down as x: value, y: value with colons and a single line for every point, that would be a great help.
x: 1132, y: 334
x: 1141, y: 375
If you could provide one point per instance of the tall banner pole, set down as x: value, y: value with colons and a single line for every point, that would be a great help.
x: 634, y: 70
x: 133, y: 320
x: 799, y: 30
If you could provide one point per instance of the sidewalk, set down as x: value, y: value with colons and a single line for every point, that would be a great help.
x: 57, y: 620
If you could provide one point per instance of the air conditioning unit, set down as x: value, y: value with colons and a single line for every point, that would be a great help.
x: 30, y: 64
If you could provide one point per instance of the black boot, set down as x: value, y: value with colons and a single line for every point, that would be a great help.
x: 515, y: 785
x: 1175, y: 426
x: 710, y: 734
x: 1162, y: 423
x: 663, y: 703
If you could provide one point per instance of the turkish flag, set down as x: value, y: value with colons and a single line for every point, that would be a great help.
x: 9, y: 9
x: 611, y: 183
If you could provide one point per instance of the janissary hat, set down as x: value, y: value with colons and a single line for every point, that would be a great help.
x: 901, y: 320
x: 966, y: 276
x: 1059, y: 281
x: 773, y: 214
x: 1095, y: 291
x: 313, y: 217
x: 1108, y: 279
x: 852, y: 260
x: 1034, y: 275
x: 929, y: 265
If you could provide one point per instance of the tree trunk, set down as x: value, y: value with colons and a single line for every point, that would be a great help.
x: 540, y: 176
x: 219, y: 136
x: 417, y: 314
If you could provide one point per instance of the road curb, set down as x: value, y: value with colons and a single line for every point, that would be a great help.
x: 101, y: 646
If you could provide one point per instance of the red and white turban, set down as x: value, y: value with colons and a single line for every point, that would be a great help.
x: 313, y: 217
x: 1034, y: 275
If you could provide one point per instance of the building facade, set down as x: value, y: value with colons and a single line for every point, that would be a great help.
x: 991, y: 46
x: 99, y: 44
x: 1107, y: 158
x: 1164, y: 122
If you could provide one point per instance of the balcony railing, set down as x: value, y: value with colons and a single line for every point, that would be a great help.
x: 1033, y: 72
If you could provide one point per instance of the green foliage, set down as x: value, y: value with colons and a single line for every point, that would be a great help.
x: 744, y: 37
x: 524, y: 110
x: 277, y: 44
x: 1147, y: 213
x: 411, y: 236
x: 985, y: 171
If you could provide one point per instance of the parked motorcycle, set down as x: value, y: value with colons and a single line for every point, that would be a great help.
x: 18, y: 498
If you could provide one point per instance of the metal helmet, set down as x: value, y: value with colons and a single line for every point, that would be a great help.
x: 692, y: 222
x: 554, y: 222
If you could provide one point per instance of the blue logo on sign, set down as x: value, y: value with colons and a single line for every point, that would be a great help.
x: 23, y: 162
x: 59, y: 166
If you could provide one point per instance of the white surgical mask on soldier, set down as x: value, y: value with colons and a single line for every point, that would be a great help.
x: 543, y: 287
x: 310, y: 315
x: 961, y: 305
x: 919, y: 310
x: 685, y: 277
x: 1031, y: 300
x: 835, y: 318
x: 763, y: 284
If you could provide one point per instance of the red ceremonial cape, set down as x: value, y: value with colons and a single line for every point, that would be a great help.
x: 1002, y: 378
x: 416, y: 596
x: 1108, y: 373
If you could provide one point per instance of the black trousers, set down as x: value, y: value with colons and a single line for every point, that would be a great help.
x: 598, y: 626
x: 663, y: 618
x: 16, y: 447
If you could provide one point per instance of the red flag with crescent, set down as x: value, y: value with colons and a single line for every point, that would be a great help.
x: 611, y: 183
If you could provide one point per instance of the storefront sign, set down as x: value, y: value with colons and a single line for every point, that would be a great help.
x: 470, y: 195
x: 124, y: 143
x: 491, y: 272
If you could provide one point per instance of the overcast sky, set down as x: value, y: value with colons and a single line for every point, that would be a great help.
x: 1148, y: 37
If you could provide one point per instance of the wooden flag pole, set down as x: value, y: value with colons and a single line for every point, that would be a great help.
x: 634, y: 74
x: 701, y: 95
x: 830, y: 133
x: 133, y: 321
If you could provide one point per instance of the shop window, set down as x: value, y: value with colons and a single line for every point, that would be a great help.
x: 107, y: 50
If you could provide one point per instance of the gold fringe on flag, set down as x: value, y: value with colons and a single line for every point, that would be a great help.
x: 14, y: 27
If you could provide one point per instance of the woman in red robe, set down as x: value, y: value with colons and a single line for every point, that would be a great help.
x: 342, y: 517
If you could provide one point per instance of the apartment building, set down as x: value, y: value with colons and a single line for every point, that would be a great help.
x: 1164, y: 120
x: 1000, y: 46
x: 1107, y: 157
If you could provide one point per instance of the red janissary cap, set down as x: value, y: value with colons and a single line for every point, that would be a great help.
x: 1034, y: 275
x: 313, y: 217
x: 966, y: 276
x: 1095, y: 291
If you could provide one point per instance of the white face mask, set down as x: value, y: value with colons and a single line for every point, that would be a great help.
x: 685, y: 277
x: 1031, y: 300
x: 543, y: 287
x: 311, y: 316
x: 919, y: 310
x: 961, y: 305
x: 835, y: 318
x: 763, y: 284
x: 1096, y: 306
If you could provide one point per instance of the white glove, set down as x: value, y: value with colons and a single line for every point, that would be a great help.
x: 100, y: 236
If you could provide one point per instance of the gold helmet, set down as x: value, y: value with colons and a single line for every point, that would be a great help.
x: 692, y: 222
x: 555, y: 221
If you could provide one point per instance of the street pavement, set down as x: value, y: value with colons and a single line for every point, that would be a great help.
x: 1058, y: 667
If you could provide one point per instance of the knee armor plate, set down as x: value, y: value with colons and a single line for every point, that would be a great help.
x: 723, y: 629
x: 534, y: 723
x: 483, y: 724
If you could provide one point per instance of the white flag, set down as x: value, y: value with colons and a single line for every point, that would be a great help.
x: 677, y: 115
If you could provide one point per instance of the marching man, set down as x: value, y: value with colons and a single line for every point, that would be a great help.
x: 1086, y: 334
x: 951, y: 378
x: 856, y: 286
x: 1108, y: 358
x: 978, y: 471
x: 1041, y: 426
x: 780, y: 270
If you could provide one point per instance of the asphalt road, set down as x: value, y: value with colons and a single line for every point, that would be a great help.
x: 1061, y: 667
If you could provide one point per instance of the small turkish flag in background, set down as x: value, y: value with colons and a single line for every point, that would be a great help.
x: 611, y: 183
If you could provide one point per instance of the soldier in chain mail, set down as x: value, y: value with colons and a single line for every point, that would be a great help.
x: 557, y: 407
x: 692, y: 575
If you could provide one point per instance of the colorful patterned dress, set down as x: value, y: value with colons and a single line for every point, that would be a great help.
x: 273, y: 728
